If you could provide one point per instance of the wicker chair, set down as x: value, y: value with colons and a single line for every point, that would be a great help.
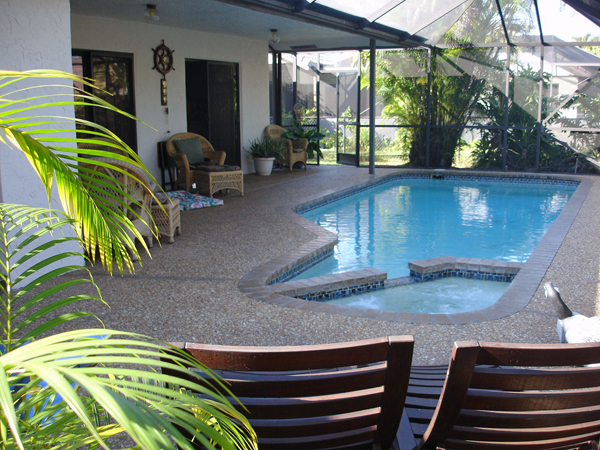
x: 138, y: 186
x: 296, y: 149
x: 186, y: 173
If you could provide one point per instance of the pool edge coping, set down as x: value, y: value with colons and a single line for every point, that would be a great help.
x: 255, y: 283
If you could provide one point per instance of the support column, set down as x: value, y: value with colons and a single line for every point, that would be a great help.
x: 428, y: 124
x: 372, y: 75
x: 540, y: 110
x: 507, y: 100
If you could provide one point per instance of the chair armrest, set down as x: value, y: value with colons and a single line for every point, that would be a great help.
x: 217, y: 157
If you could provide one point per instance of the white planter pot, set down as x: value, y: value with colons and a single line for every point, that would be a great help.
x: 263, y: 166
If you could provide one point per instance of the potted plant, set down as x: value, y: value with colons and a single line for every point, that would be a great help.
x: 264, y: 152
x: 313, y: 137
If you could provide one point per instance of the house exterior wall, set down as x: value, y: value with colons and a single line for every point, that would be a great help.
x: 139, y: 38
x: 36, y: 34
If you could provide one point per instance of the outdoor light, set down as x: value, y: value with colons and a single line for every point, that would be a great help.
x: 151, y: 14
x: 274, y: 39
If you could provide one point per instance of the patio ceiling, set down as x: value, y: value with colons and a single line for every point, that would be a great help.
x: 323, y: 24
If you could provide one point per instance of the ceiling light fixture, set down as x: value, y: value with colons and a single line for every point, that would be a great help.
x: 151, y: 14
x: 274, y: 39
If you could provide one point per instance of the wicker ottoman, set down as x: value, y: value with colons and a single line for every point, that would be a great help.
x: 207, y: 183
x: 167, y: 221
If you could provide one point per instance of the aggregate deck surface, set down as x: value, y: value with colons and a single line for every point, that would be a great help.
x: 188, y: 291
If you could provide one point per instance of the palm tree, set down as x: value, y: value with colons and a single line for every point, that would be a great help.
x: 81, y: 388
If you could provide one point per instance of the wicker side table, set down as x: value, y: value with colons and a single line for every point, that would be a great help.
x: 167, y: 221
x: 207, y: 183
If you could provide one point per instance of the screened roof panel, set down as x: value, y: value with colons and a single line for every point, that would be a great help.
x: 520, y: 19
x: 435, y: 31
x: 415, y: 15
x: 480, y: 23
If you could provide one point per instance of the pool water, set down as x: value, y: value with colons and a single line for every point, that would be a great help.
x: 441, y: 296
x: 412, y: 219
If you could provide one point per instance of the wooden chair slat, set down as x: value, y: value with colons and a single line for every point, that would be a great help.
x: 519, y: 379
x: 270, y: 408
x: 531, y: 400
x: 298, y: 386
x: 289, y: 358
x: 547, y: 444
x: 424, y: 391
x: 537, y: 355
x: 364, y: 438
x: 528, y: 419
x: 419, y: 402
x: 523, y: 434
x: 311, y: 426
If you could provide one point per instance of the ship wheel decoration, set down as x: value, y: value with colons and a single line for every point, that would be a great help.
x: 163, y: 62
x: 163, y: 58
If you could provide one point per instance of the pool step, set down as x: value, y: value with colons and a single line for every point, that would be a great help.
x: 337, y: 285
x: 473, y: 268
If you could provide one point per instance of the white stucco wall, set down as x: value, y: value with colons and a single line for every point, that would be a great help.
x: 138, y: 38
x: 35, y: 34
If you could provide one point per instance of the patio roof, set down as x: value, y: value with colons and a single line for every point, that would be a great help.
x: 311, y: 25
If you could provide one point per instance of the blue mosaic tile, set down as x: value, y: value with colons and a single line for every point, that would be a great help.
x: 343, y: 292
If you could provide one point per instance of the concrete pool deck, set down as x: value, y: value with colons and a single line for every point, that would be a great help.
x: 189, y: 291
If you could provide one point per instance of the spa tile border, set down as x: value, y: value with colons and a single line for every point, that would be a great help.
x: 472, y: 268
x: 259, y: 284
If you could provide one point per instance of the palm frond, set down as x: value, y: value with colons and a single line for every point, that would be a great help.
x: 32, y: 251
x: 154, y: 409
x: 53, y: 153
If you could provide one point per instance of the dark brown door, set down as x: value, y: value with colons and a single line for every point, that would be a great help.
x: 212, y: 105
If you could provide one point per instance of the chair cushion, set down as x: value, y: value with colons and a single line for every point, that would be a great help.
x: 217, y: 168
x: 192, y: 148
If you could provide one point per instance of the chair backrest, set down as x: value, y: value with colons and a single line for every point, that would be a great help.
x: 207, y: 148
x: 274, y: 132
x: 137, y: 185
x: 518, y: 396
x: 347, y: 395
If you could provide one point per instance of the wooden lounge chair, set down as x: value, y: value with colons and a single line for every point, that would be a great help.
x: 506, y: 396
x: 296, y: 149
x: 348, y: 395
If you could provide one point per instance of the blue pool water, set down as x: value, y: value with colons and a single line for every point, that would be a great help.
x: 412, y: 219
x: 441, y: 296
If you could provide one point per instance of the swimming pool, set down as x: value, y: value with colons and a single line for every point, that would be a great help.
x: 273, y: 281
x: 413, y: 219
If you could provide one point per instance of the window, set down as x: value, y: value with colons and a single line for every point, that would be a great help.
x: 113, y: 76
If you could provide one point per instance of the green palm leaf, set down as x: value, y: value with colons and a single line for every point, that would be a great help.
x: 152, y: 408
x: 32, y: 254
x: 54, y: 155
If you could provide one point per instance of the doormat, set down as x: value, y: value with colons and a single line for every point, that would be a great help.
x: 192, y: 201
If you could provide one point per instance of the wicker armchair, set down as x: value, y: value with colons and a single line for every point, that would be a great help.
x: 296, y: 149
x: 186, y: 173
x: 138, y: 188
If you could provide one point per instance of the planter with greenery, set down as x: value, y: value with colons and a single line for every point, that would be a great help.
x: 265, y: 152
x: 78, y: 389
x: 313, y: 137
